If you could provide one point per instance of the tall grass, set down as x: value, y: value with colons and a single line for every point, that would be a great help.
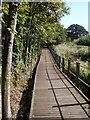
x: 77, y: 54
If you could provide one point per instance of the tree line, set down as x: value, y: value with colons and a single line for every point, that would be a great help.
x: 26, y: 27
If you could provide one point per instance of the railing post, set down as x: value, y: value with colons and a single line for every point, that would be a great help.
x: 56, y: 59
x: 63, y: 64
x: 54, y: 56
x: 59, y: 64
x: 77, y: 73
x: 69, y: 66
x: 53, y: 53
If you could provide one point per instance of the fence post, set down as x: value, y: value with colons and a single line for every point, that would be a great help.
x: 59, y: 64
x: 63, y: 64
x: 77, y: 73
x: 69, y: 66
x: 57, y: 59
x: 53, y: 53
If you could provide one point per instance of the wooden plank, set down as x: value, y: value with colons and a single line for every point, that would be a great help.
x: 45, y: 98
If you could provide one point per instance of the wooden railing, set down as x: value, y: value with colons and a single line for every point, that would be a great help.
x: 74, y: 76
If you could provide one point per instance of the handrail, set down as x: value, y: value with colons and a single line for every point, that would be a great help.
x: 88, y: 68
x: 61, y: 63
x: 84, y: 82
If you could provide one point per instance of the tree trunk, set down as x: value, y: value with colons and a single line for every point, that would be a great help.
x: 0, y: 18
x: 7, y: 60
x: 0, y: 30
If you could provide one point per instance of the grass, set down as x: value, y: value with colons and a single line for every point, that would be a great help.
x: 74, y: 52
x: 78, y: 54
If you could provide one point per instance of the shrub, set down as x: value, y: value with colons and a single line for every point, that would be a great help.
x: 85, y: 40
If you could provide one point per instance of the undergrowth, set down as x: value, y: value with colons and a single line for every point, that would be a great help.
x: 20, y: 80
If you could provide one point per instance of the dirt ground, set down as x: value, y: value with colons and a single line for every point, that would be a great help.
x: 21, y: 95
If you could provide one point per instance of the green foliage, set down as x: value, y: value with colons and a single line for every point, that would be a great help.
x: 75, y: 31
x: 77, y: 54
x: 84, y: 40
x: 30, y: 25
x: 37, y: 24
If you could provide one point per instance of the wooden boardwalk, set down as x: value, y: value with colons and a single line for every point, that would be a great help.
x: 54, y: 98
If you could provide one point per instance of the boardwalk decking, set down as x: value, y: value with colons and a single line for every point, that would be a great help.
x: 54, y: 98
